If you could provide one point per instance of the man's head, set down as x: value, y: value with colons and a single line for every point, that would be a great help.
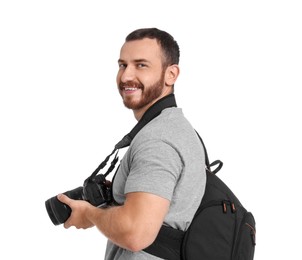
x: 148, y: 68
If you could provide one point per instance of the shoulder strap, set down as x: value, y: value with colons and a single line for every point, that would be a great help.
x: 207, y: 162
x: 151, y: 113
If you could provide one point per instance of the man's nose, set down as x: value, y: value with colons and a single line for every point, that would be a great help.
x: 128, y: 74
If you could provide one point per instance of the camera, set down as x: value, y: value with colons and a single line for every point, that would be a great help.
x: 95, y: 190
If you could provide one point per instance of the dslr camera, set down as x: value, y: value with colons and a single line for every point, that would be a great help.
x: 95, y: 190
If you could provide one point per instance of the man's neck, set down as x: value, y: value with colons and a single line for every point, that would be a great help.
x: 138, y: 114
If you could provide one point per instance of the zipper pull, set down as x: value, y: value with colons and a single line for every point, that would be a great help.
x: 224, y: 207
x: 233, y: 207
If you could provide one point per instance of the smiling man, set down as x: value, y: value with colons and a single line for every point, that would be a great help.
x: 161, y: 179
x: 144, y: 75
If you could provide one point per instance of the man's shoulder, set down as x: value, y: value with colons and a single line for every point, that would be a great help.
x: 170, y: 118
x: 170, y: 127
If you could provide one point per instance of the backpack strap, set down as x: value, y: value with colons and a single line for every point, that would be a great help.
x: 207, y: 162
x: 168, y: 242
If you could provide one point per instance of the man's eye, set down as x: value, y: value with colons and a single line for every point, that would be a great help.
x: 141, y: 65
x: 122, y: 66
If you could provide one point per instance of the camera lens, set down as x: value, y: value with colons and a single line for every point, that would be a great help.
x: 59, y: 212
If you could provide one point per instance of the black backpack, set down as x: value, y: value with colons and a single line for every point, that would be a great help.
x: 222, y: 229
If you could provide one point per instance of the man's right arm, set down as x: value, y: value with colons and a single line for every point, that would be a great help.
x: 133, y: 226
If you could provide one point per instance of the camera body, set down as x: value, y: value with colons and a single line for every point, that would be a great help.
x: 96, y: 191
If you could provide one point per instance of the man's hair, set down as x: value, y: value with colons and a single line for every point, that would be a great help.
x: 168, y: 45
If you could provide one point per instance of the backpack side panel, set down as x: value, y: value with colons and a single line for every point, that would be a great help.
x: 245, y: 238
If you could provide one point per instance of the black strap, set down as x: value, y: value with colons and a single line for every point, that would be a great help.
x: 167, y: 244
x: 207, y: 162
x: 152, y: 112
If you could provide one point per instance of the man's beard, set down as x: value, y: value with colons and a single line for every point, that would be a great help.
x: 148, y: 94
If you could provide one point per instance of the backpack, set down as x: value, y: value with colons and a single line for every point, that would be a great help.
x: 221, y: 229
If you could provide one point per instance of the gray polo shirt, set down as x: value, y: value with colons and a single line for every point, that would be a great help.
x: 165, y: 158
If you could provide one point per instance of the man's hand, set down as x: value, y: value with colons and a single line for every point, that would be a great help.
x: 79, y: 208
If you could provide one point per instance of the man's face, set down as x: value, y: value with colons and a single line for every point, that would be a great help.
x: 140, y: 78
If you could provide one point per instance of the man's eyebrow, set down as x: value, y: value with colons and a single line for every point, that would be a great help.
x: 140, y: 60
x: 136, y: 60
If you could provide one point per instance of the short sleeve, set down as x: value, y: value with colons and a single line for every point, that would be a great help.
x: 155, y: 168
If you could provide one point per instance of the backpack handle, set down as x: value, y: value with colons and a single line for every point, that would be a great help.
x: 208, y: 164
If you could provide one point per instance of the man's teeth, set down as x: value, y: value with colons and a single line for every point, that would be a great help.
x: 130, y: 89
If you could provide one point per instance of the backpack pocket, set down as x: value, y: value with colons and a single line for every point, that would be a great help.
x: 210, y: 235
x: 245, y: 240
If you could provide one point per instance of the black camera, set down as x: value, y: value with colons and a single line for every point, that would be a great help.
x: 95, y: 190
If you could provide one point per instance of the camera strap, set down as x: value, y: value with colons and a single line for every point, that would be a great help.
x: 151, y: 113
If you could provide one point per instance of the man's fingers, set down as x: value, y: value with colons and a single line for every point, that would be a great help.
x: 63, y: 198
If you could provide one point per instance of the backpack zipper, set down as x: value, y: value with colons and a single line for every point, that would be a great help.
x: 253, y: 233
x: 223, y: 203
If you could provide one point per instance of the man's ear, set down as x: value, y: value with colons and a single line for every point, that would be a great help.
x: 171, y: 74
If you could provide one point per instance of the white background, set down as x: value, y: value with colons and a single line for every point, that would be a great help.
x: 60, y: 112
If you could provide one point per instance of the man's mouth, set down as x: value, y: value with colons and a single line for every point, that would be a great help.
x: 130, y: 89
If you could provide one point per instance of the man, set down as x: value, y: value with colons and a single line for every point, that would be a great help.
x: 161, y: 179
